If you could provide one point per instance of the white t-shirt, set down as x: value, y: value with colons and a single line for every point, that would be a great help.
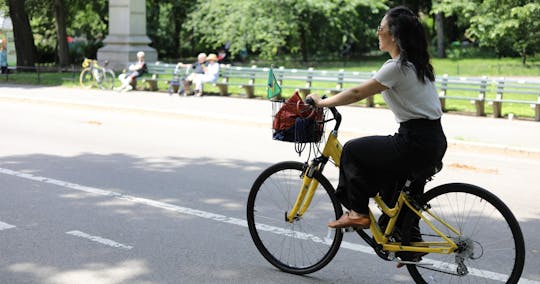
x: 406, y: 96
x: 213, y: 71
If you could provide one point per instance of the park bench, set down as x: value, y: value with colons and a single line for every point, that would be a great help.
x: 347, y: 79
x: 155, y: 71
x: 303, y: 80
x: 516, y: 92
x: 248, y: 78
x: 461, y: 88
x: 309, y: 80
x: 244, y: 77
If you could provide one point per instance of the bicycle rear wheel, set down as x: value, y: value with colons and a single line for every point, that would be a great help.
x: 491, y: 246
x: 86, y: 79
x: 305, y: 245
x: 108, y: 80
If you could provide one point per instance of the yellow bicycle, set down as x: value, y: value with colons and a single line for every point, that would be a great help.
x: 468, y: 234
x: 94, y: 75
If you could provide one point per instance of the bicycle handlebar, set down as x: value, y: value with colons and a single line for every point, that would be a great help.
x: 335, y: 112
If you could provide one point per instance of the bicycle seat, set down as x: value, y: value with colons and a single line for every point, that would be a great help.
x: 426, y: 172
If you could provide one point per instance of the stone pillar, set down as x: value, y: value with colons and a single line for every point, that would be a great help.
x: 127, y: 34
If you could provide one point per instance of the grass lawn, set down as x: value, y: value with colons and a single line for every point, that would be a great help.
x: 493, y: 68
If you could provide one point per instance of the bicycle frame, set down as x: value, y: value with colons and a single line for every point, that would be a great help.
x: 333, y: 149
x: 381, y: 238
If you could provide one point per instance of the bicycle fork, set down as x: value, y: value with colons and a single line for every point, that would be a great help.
x: 307, y: 191
x: 332, y: 150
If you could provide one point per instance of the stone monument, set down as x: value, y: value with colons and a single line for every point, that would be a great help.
x: 127, y: 34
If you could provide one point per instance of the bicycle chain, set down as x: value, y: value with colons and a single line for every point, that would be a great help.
x: 434, y: 269
x: 437, y: 270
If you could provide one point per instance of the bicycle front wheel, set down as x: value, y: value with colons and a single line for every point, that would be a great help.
x: 490, y: 244
x: 86, y: 79
x: 108, y: 80
x: 305, y: 245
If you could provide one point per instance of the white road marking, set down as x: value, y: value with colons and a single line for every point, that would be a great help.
x: 218, y: 217
x: 5, y: 226
x: 98, y: 239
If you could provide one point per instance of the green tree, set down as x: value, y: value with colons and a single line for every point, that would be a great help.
x: 22, y: 32
x: 164, y: 25
x: 61, y: 32
x: 276, y: 27
x: 525, y: 24
x: 507, y: 26
x: 53, y: 20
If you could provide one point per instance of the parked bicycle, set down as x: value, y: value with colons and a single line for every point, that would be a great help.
x: 468, y: 233
x: 94, y: 75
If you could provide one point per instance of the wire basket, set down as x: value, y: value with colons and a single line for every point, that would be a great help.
x: 294, y: 121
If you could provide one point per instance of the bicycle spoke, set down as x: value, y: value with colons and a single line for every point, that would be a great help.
x: 301, y: 246
x: 490, y: 243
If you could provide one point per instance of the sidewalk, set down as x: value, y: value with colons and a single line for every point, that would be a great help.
x: 484, y: 132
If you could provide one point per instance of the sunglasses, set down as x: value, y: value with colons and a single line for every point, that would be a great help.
x: 380, y: 29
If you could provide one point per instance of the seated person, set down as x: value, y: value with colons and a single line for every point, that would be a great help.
x: 211, y: 74
x: 134, y: 71
x: 3, y: 56
x: 197, y: 69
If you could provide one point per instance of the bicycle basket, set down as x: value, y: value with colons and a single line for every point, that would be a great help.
x: 86, y: 62
x: 294, y: 121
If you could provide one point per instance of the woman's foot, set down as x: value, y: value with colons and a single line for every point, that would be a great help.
x: 351, y: 219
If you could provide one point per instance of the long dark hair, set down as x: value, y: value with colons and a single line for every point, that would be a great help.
x: 411, y: 39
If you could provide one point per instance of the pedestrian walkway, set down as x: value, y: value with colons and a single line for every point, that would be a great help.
x: 485, y: 132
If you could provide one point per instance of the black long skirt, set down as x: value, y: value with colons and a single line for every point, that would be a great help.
x: 373, y: 164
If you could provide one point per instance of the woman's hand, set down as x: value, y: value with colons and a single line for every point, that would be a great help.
x: 316, y: 99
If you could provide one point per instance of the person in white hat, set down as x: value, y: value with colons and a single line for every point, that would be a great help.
x: 211, y: 74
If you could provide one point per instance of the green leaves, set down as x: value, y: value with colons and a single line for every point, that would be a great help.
x: 508, y: 26
x: 275, y: 27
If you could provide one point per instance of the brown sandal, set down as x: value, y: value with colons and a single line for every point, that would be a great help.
x: 345, y: 221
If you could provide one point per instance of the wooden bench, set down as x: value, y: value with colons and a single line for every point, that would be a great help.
x: 463, y: 86
x: 296, y: 79
x: 310, y: 80
x: 303, y: 80
x: 246, y: 78
x: 347, y: 79
x: 520, y: 90
x: 155, y: 71
x: 333, y: 82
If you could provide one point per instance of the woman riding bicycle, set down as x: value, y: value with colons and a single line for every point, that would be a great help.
x: 374, y: 164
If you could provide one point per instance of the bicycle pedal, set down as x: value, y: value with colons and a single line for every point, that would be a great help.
x: 350, y: 229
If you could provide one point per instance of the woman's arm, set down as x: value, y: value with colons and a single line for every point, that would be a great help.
x: 352, y: 95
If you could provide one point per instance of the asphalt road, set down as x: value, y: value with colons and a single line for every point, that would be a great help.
x: 146, y: 188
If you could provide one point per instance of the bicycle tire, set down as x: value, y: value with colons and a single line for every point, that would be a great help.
x: 86, y: 79
x: 307, y: 244
x: 108, y: 80
x: 488, y: 227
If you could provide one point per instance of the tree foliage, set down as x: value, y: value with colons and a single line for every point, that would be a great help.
x: 508, y: 26
x: 280, y: 27
x: 299, y: 29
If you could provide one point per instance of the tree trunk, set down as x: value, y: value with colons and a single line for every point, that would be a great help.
x: 22, y: 32
x: 439, y: 22
x: 60, y: 15
x: 177, y: 18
